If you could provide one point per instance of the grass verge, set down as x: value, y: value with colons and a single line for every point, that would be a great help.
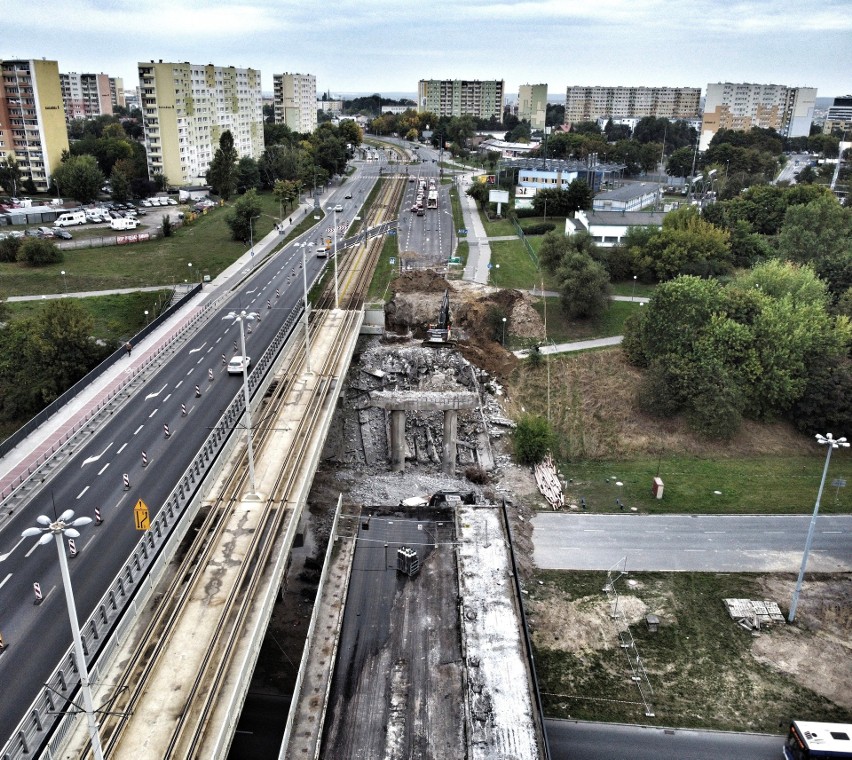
x: 705, y: 671
x: 561, y: 329
x: 385, y: 271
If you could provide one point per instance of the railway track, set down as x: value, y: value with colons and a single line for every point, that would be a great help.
x: 190, y: 718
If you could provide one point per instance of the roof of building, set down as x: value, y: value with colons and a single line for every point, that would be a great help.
x: 620, y: 218
x: 628, y: 191
x: 558, y: 164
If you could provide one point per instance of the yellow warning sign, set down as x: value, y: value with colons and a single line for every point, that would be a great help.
x: 140, y: 516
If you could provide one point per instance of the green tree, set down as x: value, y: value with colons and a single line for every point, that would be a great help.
x: 680, y: 162
x: 247, y: 174
x: 246, y: 208
x: 221, y: 174
x: 350, y: 132
x: 584, y: 286
x: 38, y: 252
x: 10, y: 174
x: 479, y: 192
x: 531, y: 439
x: 9, y: 249
x: 80, y: 178
x: 816, y: 230
x: 167, y: 225
x: 119, y: 184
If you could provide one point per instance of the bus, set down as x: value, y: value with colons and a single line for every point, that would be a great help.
x: 808, y: 739
x: 432, y: 199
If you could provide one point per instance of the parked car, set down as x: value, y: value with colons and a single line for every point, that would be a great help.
x: 147, y: 203
x: 70, y: 218
x: 62, y: 234
x: 141, y: 212
x: 171, y: 202
x: 123, y: 224
x: 45, y: 232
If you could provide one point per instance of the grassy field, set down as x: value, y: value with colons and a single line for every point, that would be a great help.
x: 206, y: 243
x: 117, y: 317
x: 754, y: 485
x: 385, y: 271
x: 517, y: 269
x: 560, y: 329
x: 700, y: 663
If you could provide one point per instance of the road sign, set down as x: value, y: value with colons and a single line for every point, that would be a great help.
x: 490, y: 265
x: 838, y: 483
x: 141, y: 516
x: 462, y: 231
x: 392, y: 260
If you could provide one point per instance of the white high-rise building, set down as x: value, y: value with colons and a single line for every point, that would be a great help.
x: 186, y: 108
x: 532, y: 104
x: 741, y: 106
x: 32, y: 118
x: 295, y: 101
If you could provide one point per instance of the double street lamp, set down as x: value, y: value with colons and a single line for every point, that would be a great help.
x: 65, y: 525
x: 242, y: 317
x: 833, y: 443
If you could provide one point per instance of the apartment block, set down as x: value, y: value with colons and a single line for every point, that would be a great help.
x: 32, y: 117
x: 532, y: 104
x: 88, y: 95
x: 592, y: 103
x: 839, y: 116
x: 295, y: 101
x: 741, y: 106
x: 186, y: 107
x: 459, y: 97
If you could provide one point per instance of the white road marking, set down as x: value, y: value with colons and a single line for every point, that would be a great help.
x: 695, y: 550
x: 35, y: 546
x: 103, y: 468
x: 153, y: 413
x: 79, y: 495
x: 592, y: 530
x: 720, y: 532
x: 167, y: 398
x: 3, y: 582
x: 839, y: 532
x: 249, y: 292
x: 97, y: 457
x: 218, y: 339
x: 3, y: 556
x: 189, y: 373
x: 123, y: 446
x: 195, y: 350
x: 154, y: 395
x: 179, y: 385
x: 91, y: 538
x: 135, y: 432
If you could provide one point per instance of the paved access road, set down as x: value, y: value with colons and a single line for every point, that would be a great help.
x: 720, y: 543
x: 570, y: 740
x: 36, y: 636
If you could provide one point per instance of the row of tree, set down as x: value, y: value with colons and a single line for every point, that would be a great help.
x: 764, y: 346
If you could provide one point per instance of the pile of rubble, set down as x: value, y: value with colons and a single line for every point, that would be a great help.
x: 361, y: 438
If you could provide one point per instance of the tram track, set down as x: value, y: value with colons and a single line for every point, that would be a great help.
x: 149, y: 658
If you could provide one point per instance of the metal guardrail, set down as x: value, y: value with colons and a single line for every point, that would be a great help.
x: 105, y: 628
x: 516, y: 581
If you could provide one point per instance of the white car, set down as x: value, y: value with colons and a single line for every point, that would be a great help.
x: 235, y: 366
x: 338, y: 208
x: 171, y: 202
x: 147, y: 203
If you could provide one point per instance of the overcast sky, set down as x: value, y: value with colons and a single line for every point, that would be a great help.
x: 388, y: 45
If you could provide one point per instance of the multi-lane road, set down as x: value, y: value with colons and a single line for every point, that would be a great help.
x: 37, y: 635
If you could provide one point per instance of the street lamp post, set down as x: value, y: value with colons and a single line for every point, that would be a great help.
x: 633, y: 293
x: 251, y: 233
x: 64, y: 281
x: 65, y: 526
x: 190, y: 272
x: 241, y: 317
x: 146, y: 316
x: 504, y: 331
x: 833, y: 443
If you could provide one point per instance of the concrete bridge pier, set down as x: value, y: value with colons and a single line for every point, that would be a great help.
x: 397, y: 434
x: 450, y: 429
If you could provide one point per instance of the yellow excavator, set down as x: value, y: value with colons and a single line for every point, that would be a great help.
x: 440, y: 334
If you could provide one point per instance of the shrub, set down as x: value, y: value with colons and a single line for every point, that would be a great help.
x: 9, y: 249
x: 38, y: 252
x: 539, y: 229
x: 477, y: 474
x: 532, y: 439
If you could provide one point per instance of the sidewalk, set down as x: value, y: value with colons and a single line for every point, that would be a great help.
x: 479, y: 255
x: 578, y: 345
x: 40, y: 444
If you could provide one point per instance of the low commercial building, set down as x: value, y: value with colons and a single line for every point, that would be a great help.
x: 536, y: 174
x: 631, y: 196
x: 608, y: 228
x: 507, y: 149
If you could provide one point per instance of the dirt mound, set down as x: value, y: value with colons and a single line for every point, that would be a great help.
x: 476, y: 311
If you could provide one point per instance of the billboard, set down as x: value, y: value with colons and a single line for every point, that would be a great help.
x: 498, y: 196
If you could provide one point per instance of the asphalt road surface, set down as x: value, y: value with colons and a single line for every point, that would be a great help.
x: 702, y: 543
x: 37, y: 635
x: 608, y: 741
